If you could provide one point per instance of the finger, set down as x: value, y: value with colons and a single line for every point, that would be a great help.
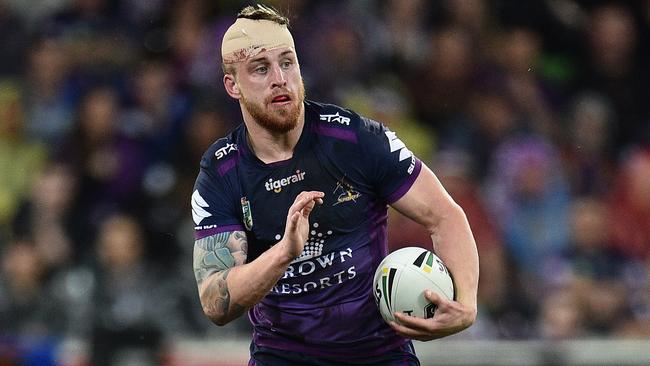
x: 307, y: 196
x: 308, y: 208
x: 301, y: 200
x: 414, y: 323
x: 304, y: 199
x: 434, y: 297
x: 407, y: 332
x: 295, y: 217
x: 292, y: 221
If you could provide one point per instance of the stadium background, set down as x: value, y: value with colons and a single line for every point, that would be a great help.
x: 535, y: 114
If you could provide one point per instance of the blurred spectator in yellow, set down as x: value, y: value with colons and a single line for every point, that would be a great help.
x: 385, y: 102
x: 21, y: 160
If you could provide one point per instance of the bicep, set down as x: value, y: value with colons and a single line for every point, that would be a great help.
x: 426, y: 202
x: 219, y: 252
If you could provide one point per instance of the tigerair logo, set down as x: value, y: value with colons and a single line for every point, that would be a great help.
x: 387, y: 281
x: 276, y: 185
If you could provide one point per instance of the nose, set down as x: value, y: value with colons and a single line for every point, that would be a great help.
x: 278, y: 78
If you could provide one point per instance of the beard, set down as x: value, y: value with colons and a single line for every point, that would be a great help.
x: 279, y: 119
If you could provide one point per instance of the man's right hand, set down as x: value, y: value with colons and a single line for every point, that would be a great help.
x: 296, y: 230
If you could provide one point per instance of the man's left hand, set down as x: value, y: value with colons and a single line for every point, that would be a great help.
x: 450, y: 317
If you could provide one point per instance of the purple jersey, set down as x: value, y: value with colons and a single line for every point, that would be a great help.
x: 324, y: 304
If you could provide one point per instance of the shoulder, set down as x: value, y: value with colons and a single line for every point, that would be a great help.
x: 342, y: 123
x: 222, y: 155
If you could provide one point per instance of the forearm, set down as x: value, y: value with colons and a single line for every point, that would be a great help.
x: 454, y: 243
x: 251, y: 282
x: 227, y: 286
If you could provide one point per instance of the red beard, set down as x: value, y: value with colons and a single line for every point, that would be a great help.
x: 277, y: 119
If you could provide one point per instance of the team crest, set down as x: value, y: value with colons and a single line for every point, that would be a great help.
x: 248, y: 215
x: 346, y: 193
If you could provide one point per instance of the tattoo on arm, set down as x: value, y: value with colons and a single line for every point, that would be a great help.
x: 214, y: 256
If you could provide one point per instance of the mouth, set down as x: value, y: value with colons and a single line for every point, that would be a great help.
x: 281, y: 99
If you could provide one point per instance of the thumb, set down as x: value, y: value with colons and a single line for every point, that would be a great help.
x: 433, y: 296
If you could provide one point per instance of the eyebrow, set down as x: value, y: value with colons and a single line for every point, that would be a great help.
x: 265, y: 58
x: 286, y: 53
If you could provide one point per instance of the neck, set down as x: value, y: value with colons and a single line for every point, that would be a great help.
x: 269, y: 146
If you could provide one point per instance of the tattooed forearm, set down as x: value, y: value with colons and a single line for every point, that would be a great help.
x: 219, y: 252
x: 214, y: 256
x: 216, y: 300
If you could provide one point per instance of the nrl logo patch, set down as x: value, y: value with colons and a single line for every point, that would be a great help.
x: 248, y: 215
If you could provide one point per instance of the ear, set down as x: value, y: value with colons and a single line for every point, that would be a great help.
x: 232, y: 88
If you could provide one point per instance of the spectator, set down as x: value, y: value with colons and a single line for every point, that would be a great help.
x: 589, y: 156
x: 529, y: 197
x: 23, y: 313
x: 596, y: 269
x: 51, y: 97
x: 109, y: 164
x: 20, y: 158
x: 613, y: 69
x: 630, y: 206
x: 128, y: 307
x: 47, y: 217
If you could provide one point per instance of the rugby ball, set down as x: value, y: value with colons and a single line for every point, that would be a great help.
x: 403, y: 276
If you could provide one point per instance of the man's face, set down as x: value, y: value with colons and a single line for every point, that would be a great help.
x: 271, y: 89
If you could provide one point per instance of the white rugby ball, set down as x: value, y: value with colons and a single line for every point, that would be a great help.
x: 403, y: 276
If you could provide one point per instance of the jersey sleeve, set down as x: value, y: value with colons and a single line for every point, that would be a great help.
x: 214, y: 208
x: 392, y: 168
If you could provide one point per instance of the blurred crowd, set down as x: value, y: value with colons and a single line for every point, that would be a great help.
x: 534, y: 114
